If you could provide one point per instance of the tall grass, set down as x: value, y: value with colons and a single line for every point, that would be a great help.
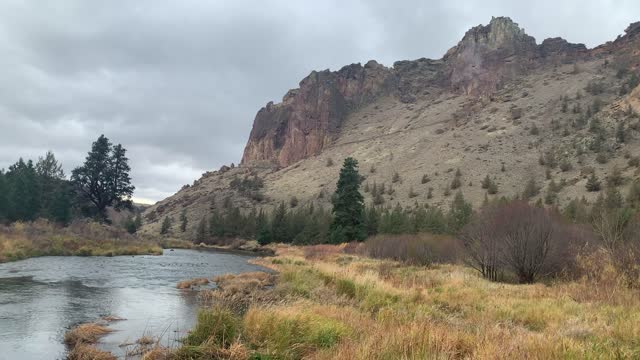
x: 41, y: 238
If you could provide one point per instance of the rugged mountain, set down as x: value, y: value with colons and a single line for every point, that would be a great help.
x: 496, y: 104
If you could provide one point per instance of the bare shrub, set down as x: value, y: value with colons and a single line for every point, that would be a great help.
x: 418, y: 249
x: 528, y: 241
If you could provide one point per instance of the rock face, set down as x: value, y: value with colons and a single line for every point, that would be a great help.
x: 488, y: 56
x: 309, y: 117
x: 486, y: 59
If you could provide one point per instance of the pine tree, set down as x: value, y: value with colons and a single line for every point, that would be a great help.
x: 103, y: 179
x: 279, y: 225
x: 130, y: 225
x: 59, y: 209
x: 24, y: 191
x: 263, y: 231
x: 459, y: 213
x: 166, y: 225
x: 184, y: 221
x: 348, y: 206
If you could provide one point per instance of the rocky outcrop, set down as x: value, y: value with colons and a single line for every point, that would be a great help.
x: 488, y: 57
x: 309, y: 117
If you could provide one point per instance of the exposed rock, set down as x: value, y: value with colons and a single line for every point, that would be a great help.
x: 560, y: 50
x: 309, y: 117
x: 488, y: 56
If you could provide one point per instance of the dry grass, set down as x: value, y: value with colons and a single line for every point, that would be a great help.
x: 41, y: 238
x: 85, y: 334
x: 190, y: 284
x: 325, y: 304
x: 89, y: 352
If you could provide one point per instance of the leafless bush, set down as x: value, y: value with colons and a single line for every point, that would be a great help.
x: 419, y: 249
x: 528, y: 241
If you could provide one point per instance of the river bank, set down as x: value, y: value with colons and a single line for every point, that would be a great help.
x: 43, y: 297
x: 323, y: 303
x: 21, y: 241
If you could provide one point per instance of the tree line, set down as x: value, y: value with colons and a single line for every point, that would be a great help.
x: 40, y: 189
x: 348, y: 220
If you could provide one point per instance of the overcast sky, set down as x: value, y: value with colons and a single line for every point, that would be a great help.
x: 179, y: 82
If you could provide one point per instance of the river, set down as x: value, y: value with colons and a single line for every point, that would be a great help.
x: 40, y: 298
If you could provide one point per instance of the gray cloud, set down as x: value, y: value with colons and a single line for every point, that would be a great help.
x: 178, y: 83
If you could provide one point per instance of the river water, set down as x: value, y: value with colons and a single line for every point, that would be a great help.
x: 40, y: 298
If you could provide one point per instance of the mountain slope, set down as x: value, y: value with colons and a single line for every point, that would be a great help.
x: 496, y: 104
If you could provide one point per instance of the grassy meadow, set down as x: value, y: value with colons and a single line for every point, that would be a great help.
x: 325, y: 302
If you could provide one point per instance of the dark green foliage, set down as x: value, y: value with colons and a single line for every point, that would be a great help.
x: 166, y: 225
x: 460, y: 213
x: 183, y: 220
x: 103, y: 180
x: 24, y: 199
x: 348, y: 205
x: 593, y: 184
x: 130, y: 225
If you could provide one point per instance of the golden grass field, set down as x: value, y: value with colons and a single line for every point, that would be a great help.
x: 324, y: 304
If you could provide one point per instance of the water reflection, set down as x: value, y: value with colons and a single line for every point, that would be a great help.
x: 41, y: 297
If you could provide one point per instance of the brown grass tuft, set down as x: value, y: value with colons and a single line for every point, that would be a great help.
x: 189, y: 284
x: 89, y: 352
x: 85, y: 334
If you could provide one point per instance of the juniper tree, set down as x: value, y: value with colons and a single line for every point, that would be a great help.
x: 166, y: 225
x: 348, y: 205
x: 183, y: 220
x: 103, y: 180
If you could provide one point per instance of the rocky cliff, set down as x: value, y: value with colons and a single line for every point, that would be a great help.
x: 497, y: 104
x: 309, y: 118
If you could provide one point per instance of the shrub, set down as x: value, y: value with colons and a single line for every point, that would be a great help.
x: 593, y: 184
x: 418, y: 249
x: 526, y: 240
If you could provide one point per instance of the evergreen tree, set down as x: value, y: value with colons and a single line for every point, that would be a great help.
x: 166, y: 225
x: 263, y: 231
x: 372, y: 220
x: 103, y: 179
x: 24, y: 194
x: 60, y: 207
x: 348, y: 206
x: 279, y: 225
x: 459, y: 213
x: 130, y: 225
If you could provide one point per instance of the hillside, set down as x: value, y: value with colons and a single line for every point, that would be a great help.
x: 496, y: 104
